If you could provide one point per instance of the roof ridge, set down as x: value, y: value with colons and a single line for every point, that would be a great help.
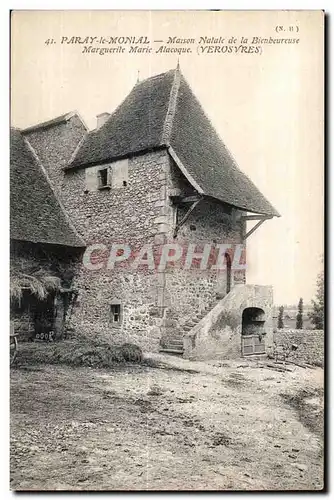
x: 39, y: 163
x: 168, y: 124
x: 54, y: 122
x: 137, y: 84
x: 159, y: 101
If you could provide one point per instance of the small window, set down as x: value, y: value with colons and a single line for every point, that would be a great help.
x: 103, y: 177
x: 115, y: 313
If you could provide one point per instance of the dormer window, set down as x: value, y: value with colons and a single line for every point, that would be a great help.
x: 114, y: 175
x: 103, y: 178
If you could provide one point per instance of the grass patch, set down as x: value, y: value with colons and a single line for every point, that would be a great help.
x: 235, y: 380
x: 92, y: 353
x: 310, y: 408
x: 220, y: 439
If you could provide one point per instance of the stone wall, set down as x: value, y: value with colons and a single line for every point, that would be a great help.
x: 142, y: 212
x: 218, y: 335
x: 189, y: 291
x: 135, y: 215
x: 309, y: 345
x: 124, y: 215
x: 136, y: 209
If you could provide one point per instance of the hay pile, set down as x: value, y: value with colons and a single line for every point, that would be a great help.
x: 93, y: 353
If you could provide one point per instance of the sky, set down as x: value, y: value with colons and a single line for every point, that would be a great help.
x: 267, y: 107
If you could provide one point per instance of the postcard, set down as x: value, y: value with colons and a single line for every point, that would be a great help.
x: 166, y: 230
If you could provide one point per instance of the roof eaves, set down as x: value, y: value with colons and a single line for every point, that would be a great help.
x: 273, y: 212
x: 37, y: 241
x: 110, y: 159
x: 185, y: 172
x: 191, y: 180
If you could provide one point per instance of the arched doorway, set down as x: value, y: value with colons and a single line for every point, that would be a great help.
x: 253, y: 331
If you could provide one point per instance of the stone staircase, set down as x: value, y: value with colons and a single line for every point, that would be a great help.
x: 173, y: 344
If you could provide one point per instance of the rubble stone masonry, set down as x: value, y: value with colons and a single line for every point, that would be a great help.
x: 304, y: 346
x: 140, y: 213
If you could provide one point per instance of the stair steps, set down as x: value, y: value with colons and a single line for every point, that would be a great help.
x: 172, y: 351
x: 174, y: 343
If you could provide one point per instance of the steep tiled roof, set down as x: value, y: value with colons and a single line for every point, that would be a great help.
x: 53, y: 122
x: 136, y: 125
x: 162, y: 111
x: 36, y: 215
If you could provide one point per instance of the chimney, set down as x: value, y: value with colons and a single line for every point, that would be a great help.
x: 101, y: 119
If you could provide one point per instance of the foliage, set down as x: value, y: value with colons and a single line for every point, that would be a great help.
x: 80, y: 352
x: 299, y: 317
x: 280, y: 323
x: 36, y: 279
x: 318, y: 305
x: 131, y: 352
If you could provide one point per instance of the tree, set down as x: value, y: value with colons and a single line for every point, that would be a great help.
x: 318, y: 305
x: 280, y: 323
x: 299, y: 318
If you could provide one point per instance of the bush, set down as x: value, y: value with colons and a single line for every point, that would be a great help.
x: 132, y: 353
x: 93, y: 353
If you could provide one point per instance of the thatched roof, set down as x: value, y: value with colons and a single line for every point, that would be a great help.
x: 162, y: 111
x: 36, y: 214
x: 39, y: 285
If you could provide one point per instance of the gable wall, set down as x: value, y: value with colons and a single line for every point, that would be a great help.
x: 55, y: 145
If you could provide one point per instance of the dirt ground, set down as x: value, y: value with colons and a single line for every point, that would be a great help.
x: 179, y: 425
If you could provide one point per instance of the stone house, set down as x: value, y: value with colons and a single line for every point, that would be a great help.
x: 45, y: 248
x: 154, y: 180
